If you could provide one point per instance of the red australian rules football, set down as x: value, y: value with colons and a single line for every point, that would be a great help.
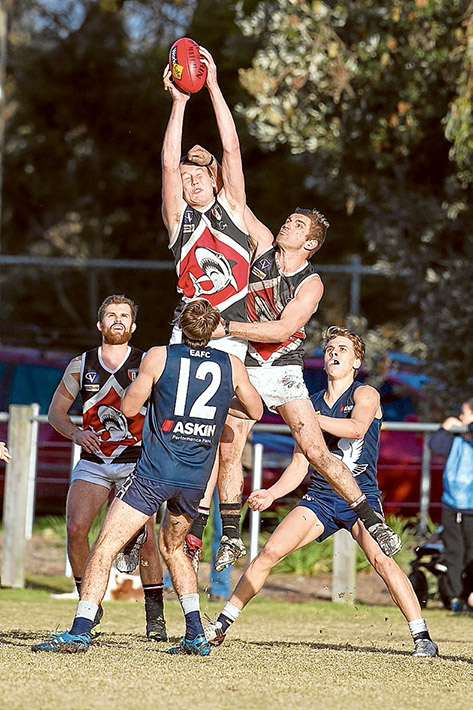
x: 187, y: 69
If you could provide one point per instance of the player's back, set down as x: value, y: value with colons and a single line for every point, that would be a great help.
x: 187, y: 409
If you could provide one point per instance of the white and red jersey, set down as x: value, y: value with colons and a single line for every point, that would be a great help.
x: 270, y: 290
x: 101, y: 391
x: 212, y: 257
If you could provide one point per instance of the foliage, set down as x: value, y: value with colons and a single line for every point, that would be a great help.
x: 362, y: 109
x: 316, y: 558
x: 380, y: 95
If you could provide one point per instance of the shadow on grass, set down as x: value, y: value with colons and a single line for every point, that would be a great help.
x: 52, y: 585
x: 22, y: 639
x: 351, y: 648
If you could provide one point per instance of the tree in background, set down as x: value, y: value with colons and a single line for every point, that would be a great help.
x: 381, y: 94
x: 361, y: 109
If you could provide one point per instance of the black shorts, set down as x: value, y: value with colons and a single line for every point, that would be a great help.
x: 147, y: 495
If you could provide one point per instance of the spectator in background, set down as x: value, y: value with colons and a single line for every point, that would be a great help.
x: 457, y: 503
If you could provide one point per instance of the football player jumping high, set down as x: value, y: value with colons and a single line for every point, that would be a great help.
x: 208, y: 234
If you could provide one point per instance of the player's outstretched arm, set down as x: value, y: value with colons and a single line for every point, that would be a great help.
x: 244, y: 390
x: 138, y: 392
x: 289, y: 480
x: 172, y: 200
x: 232, y: 168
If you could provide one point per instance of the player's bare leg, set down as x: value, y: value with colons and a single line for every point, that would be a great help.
x: 300, y: 527
x: 171, y: 544
x: 300, y: 416
x: 121, y: 522
x: 400, y: 589
x: 84, y: 501
x: 398, y: 584
x: 230, y: 488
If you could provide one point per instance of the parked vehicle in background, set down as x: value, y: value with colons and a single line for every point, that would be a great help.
x: 30, y: 376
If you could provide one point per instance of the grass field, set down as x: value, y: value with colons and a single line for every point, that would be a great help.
x: 278, y: 655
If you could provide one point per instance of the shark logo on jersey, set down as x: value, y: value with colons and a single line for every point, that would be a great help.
x: 216, y: 269
x: 115, y: 424
x: 349, y: 450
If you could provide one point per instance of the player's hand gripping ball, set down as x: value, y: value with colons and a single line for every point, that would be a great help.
x: 187, y: 68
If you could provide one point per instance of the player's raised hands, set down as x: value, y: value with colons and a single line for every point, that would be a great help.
x: 176, y: 94
x: 208, y: 60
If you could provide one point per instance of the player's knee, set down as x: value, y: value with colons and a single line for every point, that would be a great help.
x: 76, y: 531
x: 317, y: 455
x: 270, y: 555
x: 384, y: 566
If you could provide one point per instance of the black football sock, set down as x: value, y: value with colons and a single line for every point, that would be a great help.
x: 154, y: 605
x: 365, y: 512
x: 230, y: 514
x: 199, y: 523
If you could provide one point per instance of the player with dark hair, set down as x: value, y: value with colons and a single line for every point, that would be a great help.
x: 190, y: 389
x: 110, y: 446
x: 349, y: 414
x: 284, y: 292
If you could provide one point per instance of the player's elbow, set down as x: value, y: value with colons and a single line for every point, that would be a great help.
x: 128, y: 409
x: 231, y: 147
x: 283, y: 330
x: 358, y: 431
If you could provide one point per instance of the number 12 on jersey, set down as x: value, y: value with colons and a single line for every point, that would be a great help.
x: 187, y: 391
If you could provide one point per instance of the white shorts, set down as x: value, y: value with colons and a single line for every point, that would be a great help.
x: 229, y: 344
x: 278, y: 385
x: 103, y: 474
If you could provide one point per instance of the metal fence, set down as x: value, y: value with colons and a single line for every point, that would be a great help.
x: 20, y: 483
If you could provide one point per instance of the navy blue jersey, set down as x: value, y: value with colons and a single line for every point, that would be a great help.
x: 360, y: 455
x: 187, y: 409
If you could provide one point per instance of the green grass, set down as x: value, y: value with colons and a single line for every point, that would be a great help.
x: 277, y: 655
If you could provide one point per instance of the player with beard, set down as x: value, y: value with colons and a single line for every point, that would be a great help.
x: 110, y: 446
